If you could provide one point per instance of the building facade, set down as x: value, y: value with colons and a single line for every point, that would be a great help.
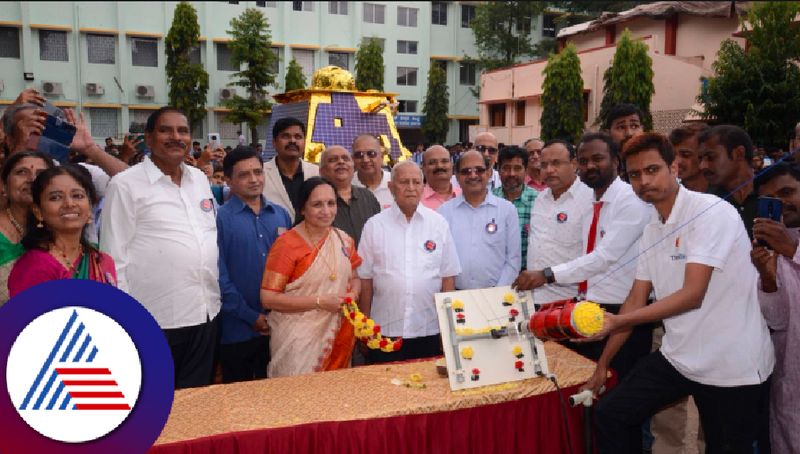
x: 108, y: 60
x: 683, y: 39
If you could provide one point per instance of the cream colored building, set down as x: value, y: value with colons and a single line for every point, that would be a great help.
x: 683, y: 39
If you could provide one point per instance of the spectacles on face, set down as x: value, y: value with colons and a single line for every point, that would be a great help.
x: 442, y: 162
x: 486, y: 148
x: 467, y: 171
x: 369, y: 153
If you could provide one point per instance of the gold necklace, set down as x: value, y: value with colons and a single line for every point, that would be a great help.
x: 65, y: 260
x: 14, y: 222
x: 331, y: 268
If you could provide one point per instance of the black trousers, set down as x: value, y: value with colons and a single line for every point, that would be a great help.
x: 413, y: 348
x: 193, y: 353
x: 729, y: 415
x: 243, y: 361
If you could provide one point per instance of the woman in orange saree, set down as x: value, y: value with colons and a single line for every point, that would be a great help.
x: 310, y: 270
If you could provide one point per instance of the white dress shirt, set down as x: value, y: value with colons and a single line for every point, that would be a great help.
x: 556, y: 235
x: 611, y: 267
x: 406, y: 262
x: 382, y: 192
x: 163, y: 239
x: 724, y: 342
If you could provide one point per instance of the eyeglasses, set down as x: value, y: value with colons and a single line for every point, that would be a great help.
x: 467, y: 171
x: 360, y: 154
x: 483, y: 148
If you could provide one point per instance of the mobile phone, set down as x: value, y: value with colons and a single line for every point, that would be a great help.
x: 769, y: 208
x: 213, y: 139
x: 56, y: 138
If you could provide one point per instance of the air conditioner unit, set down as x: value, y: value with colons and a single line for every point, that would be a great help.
x: 145, y: 91
x: 227, y: 93
x: 95, y: 89
x: 52, y: 88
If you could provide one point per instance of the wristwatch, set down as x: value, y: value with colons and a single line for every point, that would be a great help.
x: 548, y: 275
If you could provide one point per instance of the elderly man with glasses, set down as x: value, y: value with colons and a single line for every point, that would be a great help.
x: 485, y: 228
x: 486, y: 144
x: 368, y: 159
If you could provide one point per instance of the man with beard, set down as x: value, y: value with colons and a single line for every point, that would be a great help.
x: 285, y: 174
x: 485, y: 228
x: 354, y: 205
x: 486, y: 144
x: 368, y: 158
x: 556, y: 223
x: 687, y: 151
x: 693, y: 256
x: 438, y: 170
x: 513, y: 163
x: 159, y: 226
x: 623, y: 122
x: 726, y: 154
x: 605, y: 273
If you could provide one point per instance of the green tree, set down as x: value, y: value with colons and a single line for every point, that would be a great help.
x: 369, y: 66
x: 759, y: 90
x: 629, y: 79
x: 295, y: 79
x: 562, y: 96
x: 250, y: 46
x: 437, y: 103
x: 188, y: 82
x: 502, y: 32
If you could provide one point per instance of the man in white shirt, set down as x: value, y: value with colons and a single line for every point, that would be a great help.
x: 694, y: 257
x: 408, y: 255
x: 556, y: 224
x: 486, y: 144
x: 159, y: 226
x: 368, y: 157
x: 605, y: 272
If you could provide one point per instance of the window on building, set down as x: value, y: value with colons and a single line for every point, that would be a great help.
x: 466, y: 74
x: 275, y: 67
x: 549, y: 26
x: 303, y: 6
x: 53, y: 45
x: 9, y: 42
x: 467, y: 14
x: 381, y: 42
x: 340, y: 59
x: 267, y: 4
x: 407, y: 106
x: 407, y: 16
x: 497, y: 114
x: 138, y: 120
x: 520, y: 113
x: 439, y: 13
x: 374, y: 14
x: 224, y: 58
x: 101, y: 49
x: 104, y: 122
x: 524, y: 24
x: 144, y: 52
x: 227, y: 130
x: 198, y: 130
x: 442, y: 64
x: 194, y: 56
x: 337, y: 8
x: 305, y: 58
x: 406, y: 76
x: 406, y: 47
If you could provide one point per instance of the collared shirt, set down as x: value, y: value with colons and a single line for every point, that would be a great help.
x: 748, y: 209
x: 434, y: 200
x: 163, y: 238
x: 555, y: 235
x: 724, y: 342
x: 351, y: 216
x: 244, y: 239
x: 406, y: 261
x: 293, y: 186
x: 382, y: 192
x: 487, y: 240
x: 495, y: 182
x: 611, y: 267
x: 524, y: 205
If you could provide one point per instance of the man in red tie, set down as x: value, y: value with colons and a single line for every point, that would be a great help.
x: 605, y: 272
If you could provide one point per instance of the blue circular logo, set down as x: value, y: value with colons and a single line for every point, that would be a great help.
x: 85, y: 368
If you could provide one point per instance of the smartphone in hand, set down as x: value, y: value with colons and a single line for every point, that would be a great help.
x: 769, y: 208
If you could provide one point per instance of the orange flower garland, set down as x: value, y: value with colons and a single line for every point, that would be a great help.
x: 367, y: 330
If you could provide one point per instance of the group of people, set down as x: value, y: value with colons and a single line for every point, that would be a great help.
x: 661, y: 231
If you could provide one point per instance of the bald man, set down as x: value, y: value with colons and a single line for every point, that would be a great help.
x: 354, y: 205
x: 486, y: 144
x: 438, y: 170
x: 368, y: 158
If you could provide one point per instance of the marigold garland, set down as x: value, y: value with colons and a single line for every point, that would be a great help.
x: 367, y: 330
